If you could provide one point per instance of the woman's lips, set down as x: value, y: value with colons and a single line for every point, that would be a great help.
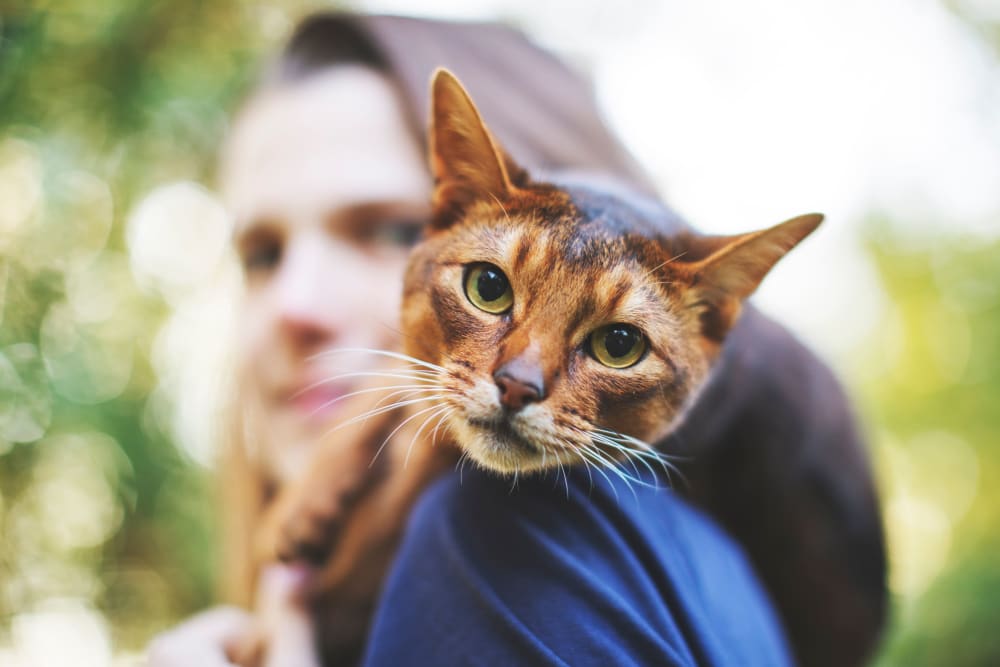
x: 318, y: 401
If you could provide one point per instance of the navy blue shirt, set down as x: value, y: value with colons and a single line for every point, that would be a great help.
x: 574, y: 571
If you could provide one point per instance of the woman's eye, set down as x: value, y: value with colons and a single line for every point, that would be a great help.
x: 617, y: 345
x: 488, y: 289
x: 402, y: 234
x: 262, y: 257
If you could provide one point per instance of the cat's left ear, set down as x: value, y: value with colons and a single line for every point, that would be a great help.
x: 466, y: 163
x: 719, y: 283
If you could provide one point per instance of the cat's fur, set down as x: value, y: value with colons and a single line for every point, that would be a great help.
x: 577, y: 258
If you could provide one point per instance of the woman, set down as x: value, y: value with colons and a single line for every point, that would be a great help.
x: 324, y: 172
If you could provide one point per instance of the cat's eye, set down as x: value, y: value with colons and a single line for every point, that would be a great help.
x: 617, y: 345
x: 488, y: 289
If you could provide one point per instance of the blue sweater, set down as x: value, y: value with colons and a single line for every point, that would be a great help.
x: 578, y: 571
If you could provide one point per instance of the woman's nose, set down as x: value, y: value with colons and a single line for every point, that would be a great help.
x: 307, y: 320
x: 305, y: 333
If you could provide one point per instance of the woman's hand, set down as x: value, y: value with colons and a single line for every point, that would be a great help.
x: 229, y: 636
x: 205, y: 639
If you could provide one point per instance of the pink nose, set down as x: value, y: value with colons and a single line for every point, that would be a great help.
x: 515, y: 392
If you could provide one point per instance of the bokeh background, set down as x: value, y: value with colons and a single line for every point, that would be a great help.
x: 117, y: 286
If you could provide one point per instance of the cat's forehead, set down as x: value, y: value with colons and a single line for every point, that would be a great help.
x: 620, y: 213
x: 577, y: 228
x: 529, y: 246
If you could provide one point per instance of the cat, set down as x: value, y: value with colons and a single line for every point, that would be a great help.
x: 550, y: 325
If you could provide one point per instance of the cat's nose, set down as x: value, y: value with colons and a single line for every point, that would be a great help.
x: 519, y: 384
x: 515, y: 394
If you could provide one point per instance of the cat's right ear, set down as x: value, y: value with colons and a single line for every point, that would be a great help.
x: 466, y: 164
x: 719, y: 283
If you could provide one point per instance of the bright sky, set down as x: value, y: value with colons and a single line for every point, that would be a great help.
x: 751, y: 113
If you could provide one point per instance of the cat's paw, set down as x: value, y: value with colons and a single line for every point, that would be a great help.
x: 306, y: 519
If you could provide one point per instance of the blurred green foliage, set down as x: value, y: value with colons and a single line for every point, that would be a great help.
x: 933, y: 398
x: 100, y: 102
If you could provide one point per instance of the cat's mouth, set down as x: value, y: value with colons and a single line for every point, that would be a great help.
x: 498, y: 445
x: 504, y: 432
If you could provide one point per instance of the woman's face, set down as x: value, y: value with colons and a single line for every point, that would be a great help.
x: 329, y: 190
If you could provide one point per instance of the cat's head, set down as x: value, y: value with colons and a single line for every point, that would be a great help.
x: 565, y: 319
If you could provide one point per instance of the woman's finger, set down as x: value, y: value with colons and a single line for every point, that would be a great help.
x: 201, y: 640
x: 291, y: 639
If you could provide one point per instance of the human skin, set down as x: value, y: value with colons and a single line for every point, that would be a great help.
x: 328, y: 188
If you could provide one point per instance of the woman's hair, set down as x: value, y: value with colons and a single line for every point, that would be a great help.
x: 322, y: 41
x: 543, y: 112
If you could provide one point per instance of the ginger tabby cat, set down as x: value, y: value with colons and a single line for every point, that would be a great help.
x: 545, y: 325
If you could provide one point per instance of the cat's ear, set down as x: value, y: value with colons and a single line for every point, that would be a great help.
x: 719, y: 282
x: 466, y: 163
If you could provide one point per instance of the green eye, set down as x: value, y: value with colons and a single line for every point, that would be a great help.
x: 617, y: 345
x: 488, y: 289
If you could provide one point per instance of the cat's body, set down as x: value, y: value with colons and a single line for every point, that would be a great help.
x: 572, y: 325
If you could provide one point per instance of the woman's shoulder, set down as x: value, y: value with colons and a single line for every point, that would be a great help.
x: 581, y: 569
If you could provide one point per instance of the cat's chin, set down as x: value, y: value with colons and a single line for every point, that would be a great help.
x: 499, y: 448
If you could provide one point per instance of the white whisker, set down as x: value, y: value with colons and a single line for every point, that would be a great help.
x: 382, y: 410
x: 397, y: 374
x: 399, y: 426
x: 385, y: 353
x: 645, y: 450
x: 630, y: 454
x: 441, y: 419
x: 586, y: 464
x: 416, y: 435
x: 402, y: 388
x: 621, y: 473
x: 460, y: 465
x: 587, y: 453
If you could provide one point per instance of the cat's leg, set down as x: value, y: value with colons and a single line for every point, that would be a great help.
x: 303, y: 521
x: 347, y: 587
x: 346, y: 517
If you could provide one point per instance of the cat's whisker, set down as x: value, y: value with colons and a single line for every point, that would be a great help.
x: 386, y: 408
x: 630, y: 455
x: 617, y: 469
x: 627, y: 452
x: 402, y: 388
x: 645, y: 450
x: 636, y: 455
x: 320, y: 383
x: 599, y: 466
x: 586, y: 465
x: 398, y: 374
x: 416, y: 435
x: 460, y: 466
x: 398, y: 427
x: 385, y: 353
x: 565, y: 478
x: 502, y: 207
x: 407, y: 393
x: 438, y: 425
x: 662, y: 264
